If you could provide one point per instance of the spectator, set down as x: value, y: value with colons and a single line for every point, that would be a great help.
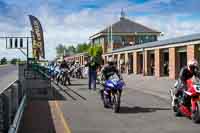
x: 92, y: 74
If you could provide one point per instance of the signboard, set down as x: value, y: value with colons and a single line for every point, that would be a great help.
x: 37, y: 33
x: 35, y: 47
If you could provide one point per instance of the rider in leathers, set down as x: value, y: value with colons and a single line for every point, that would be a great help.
x: 186, y: 73
x: 64, y: 67
x: 107, y: 71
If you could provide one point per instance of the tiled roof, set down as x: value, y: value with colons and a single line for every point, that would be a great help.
x: 127, y: 26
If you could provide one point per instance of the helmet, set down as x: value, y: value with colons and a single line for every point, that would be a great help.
x: 192, y: 64
x: 91, y: 58
x: 110, y: 61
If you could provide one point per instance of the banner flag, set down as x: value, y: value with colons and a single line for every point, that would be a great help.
x: 37, y: 34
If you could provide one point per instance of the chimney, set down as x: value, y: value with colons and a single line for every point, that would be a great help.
x: 122, y: 15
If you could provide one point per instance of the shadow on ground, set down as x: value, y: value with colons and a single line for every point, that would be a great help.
x: 136, y: 109
x: 77, y: 84
x: 58, y: 95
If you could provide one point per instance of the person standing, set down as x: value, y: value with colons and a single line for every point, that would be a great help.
x: 92, y: 74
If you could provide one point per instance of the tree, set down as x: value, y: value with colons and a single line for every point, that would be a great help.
x: 80, y: 48
x: 3, y: 61
x: 14, y: 61
x: 70, y: 50
x: 96, y: 52
x: 60, y: 50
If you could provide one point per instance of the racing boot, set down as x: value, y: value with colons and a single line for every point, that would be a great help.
x: 174, y: 102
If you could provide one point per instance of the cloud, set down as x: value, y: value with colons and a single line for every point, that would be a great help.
x: 170, y: 25
x: 72, y: 22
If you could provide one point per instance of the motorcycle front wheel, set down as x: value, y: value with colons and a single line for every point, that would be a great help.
x: 196, y: 114
x: 116, y: 101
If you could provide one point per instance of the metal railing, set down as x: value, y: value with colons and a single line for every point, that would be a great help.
x: 14, y: 97
x: 41, y: 70
x: 10, y: 99
x: 16, y: 122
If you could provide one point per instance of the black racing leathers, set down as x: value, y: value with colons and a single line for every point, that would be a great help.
x: 109, y: 70
x: 65, y: 67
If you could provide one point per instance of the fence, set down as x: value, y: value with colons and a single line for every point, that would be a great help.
x: 33, y: 83
x: 10, y: 100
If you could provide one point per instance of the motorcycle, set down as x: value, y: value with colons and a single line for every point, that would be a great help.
x: 53, y: 71
x: 63, y: 77
x: 111, y: 95
x: 85, y: 72
x: 78, y: 73
x: 191, y: 105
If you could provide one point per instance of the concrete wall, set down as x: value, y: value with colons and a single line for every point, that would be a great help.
x: 35, y: 85
x: 9, y: 103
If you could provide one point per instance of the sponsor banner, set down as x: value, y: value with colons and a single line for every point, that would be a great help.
x: 36, y: 51
x: 37, y: 33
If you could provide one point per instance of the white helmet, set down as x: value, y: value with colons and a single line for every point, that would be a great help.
x: 110, y: 59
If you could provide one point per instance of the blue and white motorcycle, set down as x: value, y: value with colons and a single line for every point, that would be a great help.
x: 112, y: 92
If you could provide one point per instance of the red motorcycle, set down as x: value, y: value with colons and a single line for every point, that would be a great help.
x: 190, y: 106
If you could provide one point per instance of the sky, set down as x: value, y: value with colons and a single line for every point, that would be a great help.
x: 70, y: 22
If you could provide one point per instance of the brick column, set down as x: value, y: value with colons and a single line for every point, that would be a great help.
x: 146, y: 62
x: 103, y: 48
x: 126, y: 62
x: 106, y: 59
x: 157, y: 63
x: 118, y: 61
x: 172, y: 63
x: 191, y: 52
x: 83, y: 60
x: 135, y: 63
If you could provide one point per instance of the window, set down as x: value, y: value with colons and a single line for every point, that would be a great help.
x: 97, y: 41
x: 145, y: 38
x: 101, y: 40
x: 117, y: 39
